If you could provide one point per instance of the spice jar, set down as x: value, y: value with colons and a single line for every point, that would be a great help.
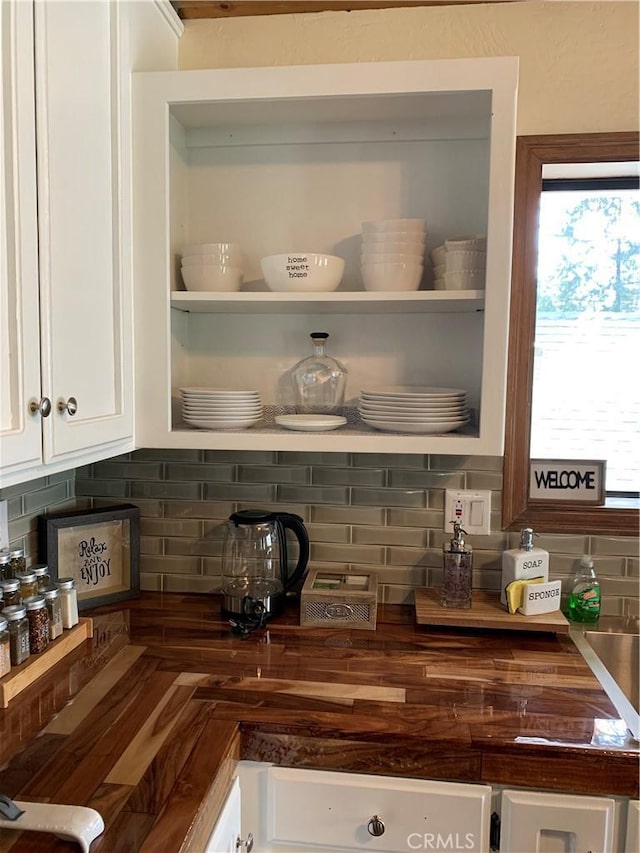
x: 69, y: 601
x: 5, y: 565
x: 18, y: 627
x: 18, y: 562
x: 5, y: 653
x: 10, y: 592
x: 28, y: 584
x: 41, y: 571
x: 38, y: 617
x: 54, y: 608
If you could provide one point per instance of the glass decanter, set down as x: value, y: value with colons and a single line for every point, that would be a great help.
x: 319, y: 381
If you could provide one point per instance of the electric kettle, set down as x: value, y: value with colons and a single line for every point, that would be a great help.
x: 255, y: 565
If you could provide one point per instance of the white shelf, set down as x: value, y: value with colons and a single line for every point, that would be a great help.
x: 348, y: 302
x: 349, y: 439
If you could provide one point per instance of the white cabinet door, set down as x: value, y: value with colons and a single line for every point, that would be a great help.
x: 20, y: 432
x: 226, y: 832
x: 322, y: 810
x: 632, y: 839
x: 85, y: 275
x: 537, y: 822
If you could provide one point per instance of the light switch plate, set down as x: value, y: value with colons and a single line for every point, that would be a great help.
x: 4, y: 524
x: 471, y: 508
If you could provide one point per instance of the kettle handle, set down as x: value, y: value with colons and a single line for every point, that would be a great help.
x: 294, y: 523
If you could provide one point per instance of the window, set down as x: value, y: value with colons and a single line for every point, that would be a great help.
x: 560, y: 277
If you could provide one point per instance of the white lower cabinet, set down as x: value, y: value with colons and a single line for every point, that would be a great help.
x: 539, y: 822
x: 632, y: 837
x: 226, y: 833
x: 287, y: 809
x: 290, y: 809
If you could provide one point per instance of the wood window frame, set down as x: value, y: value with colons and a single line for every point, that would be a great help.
x: 532, y: 152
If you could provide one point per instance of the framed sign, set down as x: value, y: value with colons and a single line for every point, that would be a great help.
x: 99, y: 549
x: 572, y: 480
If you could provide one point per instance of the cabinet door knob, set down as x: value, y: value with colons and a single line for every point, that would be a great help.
x: 41, y: 407
x: 376, y: 826
x: 70, y: 407
x: 246, y: 845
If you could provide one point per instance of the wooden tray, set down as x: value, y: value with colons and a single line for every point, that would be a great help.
x: 24, y: 675
x: 485, y: 612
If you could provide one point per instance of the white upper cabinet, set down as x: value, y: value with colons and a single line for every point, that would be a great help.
x: 20, y: 432
x: 67, y: 274
x: 294, y: 159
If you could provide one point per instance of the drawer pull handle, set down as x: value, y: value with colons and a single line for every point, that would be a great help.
x: 246, y: 845
x: 376, y: 826
x: 42, y: 407
x: 71, y: 406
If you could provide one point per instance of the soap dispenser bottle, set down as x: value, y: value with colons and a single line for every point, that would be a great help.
x: 584, y: 596
x: 457, y: 571
x: 523, y: 563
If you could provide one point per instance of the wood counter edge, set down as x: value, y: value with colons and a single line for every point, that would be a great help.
x: 194, y: 805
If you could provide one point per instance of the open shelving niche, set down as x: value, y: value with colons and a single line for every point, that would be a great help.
x: 294, y: 159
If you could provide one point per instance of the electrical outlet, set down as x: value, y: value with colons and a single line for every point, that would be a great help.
x: 472, y: 509
x: 4, y: 525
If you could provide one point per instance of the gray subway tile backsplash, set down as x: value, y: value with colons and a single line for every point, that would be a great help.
x: 300, y: 474
x: 349, y: 476
x: 163, y: 490
x: 40, y: 500
x: 402, y: 478
x: 364, y: 511
x: 407, y: 536
x: 442, y: 462
x: 389, y: 497
x: 128, y: 470
x: 224, y: 473
x: 238, y: 492
x: 347, y: 514
x: 313, y: 494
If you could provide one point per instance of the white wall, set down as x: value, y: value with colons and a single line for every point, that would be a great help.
x: 579, y: 61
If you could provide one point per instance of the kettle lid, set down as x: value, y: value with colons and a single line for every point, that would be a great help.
x: 253, y: 516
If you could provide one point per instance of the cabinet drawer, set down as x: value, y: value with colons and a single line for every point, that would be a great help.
x: 333, y: 810
x: 537, y: 822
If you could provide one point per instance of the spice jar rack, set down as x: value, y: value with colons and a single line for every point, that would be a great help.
x: 31, y: 670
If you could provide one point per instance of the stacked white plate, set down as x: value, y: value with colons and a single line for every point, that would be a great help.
x: 414, y: 408
x: 220, y: 408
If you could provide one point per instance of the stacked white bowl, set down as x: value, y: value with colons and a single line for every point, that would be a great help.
x: 460, y: 263
x: 208, y: 267
x: 392, y: 254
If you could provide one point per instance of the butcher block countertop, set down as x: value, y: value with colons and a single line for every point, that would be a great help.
x: 145, y: 721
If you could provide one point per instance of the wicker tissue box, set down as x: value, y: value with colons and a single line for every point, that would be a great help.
x: 339, y: 599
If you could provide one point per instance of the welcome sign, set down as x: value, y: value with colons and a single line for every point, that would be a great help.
x: 569, y: 480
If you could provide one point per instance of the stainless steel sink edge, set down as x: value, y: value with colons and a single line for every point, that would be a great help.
x: 608, y: 683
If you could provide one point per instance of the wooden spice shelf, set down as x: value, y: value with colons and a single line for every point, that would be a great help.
x: 26, y: 673
x: 485, y: 612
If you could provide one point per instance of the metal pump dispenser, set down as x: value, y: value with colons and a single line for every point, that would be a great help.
x: 526, y: 539
x: 457, y: 571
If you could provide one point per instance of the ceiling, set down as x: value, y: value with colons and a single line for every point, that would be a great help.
x: 192, y: 9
